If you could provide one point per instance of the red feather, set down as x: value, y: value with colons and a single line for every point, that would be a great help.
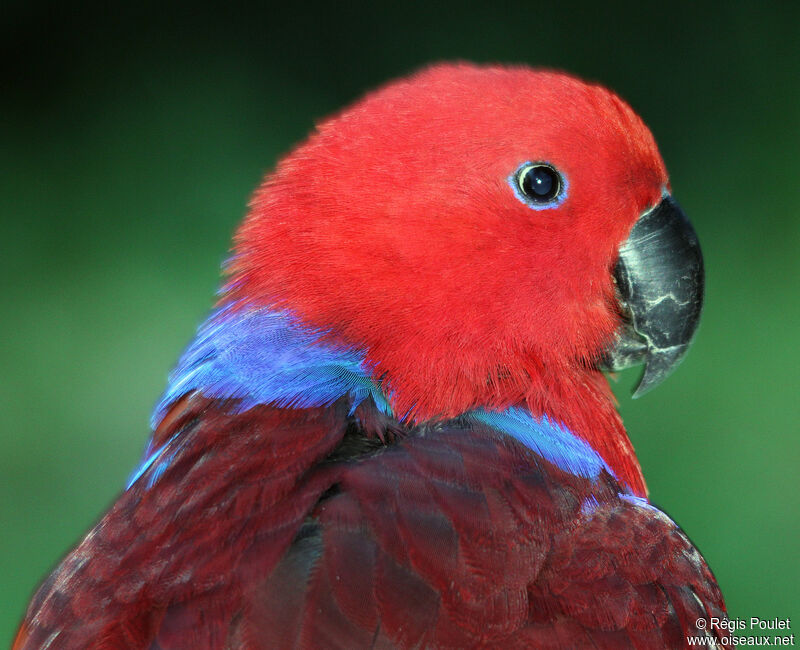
x: 394, y: 225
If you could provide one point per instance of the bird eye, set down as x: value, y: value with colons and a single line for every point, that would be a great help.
x: 538, y: 184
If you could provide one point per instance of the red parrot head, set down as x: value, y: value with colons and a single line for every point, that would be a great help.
x: 462, y: 227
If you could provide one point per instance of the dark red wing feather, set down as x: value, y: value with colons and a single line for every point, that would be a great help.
x: 461, y: 538
x: 292, y: 529
x: 171, y: 563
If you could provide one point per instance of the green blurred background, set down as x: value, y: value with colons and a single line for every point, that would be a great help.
x: 131, y: 139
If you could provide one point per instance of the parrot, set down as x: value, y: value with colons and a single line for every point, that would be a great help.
x: 395, y: 428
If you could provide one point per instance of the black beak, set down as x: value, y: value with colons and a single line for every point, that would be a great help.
x: 660, y: 281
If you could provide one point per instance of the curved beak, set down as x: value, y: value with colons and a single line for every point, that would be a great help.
x: 660, y: 283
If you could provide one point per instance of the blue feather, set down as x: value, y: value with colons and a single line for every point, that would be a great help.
x: 264, y: 356
x: 261, y: 356
x: 550, y: 440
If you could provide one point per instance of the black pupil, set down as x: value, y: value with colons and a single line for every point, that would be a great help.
x: 539, y: 183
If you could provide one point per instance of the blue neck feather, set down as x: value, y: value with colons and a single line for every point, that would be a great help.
x: 262, y: 356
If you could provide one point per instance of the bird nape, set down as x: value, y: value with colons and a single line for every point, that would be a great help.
x: 394, y: 431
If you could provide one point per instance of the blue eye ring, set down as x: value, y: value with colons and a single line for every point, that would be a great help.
x: 539, y: 185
